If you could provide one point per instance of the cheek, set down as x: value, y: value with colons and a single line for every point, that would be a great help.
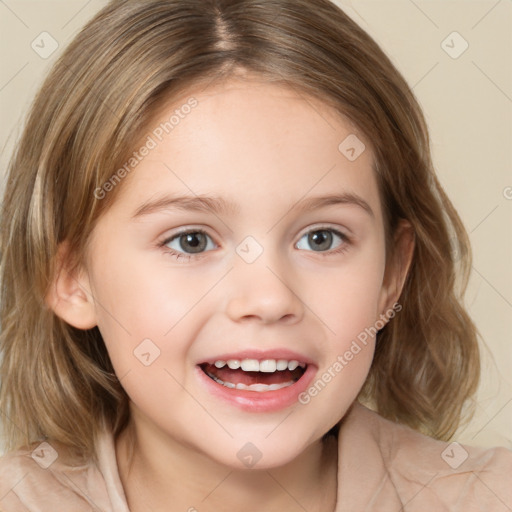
x: 348, y: 308
x: 143, y: 308
x: 349, y: 296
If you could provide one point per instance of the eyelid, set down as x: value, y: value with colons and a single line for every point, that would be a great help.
x: 344, y: 233
x: 178, y: 255
x: 345, y: 244
x: 185, y: 230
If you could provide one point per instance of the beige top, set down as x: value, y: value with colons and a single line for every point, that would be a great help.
x: 382, y: 467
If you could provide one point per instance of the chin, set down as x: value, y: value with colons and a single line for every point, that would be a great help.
x: 263, y: 451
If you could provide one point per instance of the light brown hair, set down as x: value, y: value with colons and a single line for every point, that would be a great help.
x: 57, y: 382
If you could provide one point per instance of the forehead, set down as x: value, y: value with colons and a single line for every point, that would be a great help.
x: 252, y: 143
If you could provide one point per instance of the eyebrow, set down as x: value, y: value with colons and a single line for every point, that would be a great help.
x: 206, y: 204
x: 217, y: 205
x: 347, y: 198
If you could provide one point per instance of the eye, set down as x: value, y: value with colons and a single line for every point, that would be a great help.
x: 190, y: 242
x: 321, y: 240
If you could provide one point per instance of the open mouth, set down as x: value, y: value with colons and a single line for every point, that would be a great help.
x: 254, y: 375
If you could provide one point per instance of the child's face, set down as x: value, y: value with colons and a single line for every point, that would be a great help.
x: 263, y: 268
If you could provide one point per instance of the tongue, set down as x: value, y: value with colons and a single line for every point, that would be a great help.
x: 226, y: 374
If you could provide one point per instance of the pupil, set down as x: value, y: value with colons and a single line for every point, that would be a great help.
x: 320, y: 240
x: 193, y: 242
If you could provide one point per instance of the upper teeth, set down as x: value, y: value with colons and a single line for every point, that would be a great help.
x: 266, y: 365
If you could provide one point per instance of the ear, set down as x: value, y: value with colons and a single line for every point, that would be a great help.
x: 398, y: 266
x: 69, y: 294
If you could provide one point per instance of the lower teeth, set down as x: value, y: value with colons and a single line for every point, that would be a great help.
x: 261, y: 388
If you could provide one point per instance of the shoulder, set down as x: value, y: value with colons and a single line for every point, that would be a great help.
x: 45, y: 476
x: 423, y: 471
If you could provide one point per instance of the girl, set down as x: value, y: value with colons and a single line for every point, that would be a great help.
x: 221, y: 235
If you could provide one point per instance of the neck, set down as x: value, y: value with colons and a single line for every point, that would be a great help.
x: 157, y: 471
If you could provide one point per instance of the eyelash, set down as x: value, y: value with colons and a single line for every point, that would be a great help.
x: 181, y: 255
x: 346, y: 242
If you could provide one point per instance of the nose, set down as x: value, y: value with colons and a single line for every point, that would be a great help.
x: 262, y: 294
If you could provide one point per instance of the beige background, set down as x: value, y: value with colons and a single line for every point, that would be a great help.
x: 468, y: 104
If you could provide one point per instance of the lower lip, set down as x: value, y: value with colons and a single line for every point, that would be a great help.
x: 255, y: 401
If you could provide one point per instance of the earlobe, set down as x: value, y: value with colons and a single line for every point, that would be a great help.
x: 69, y: 295
x: 398, y: 268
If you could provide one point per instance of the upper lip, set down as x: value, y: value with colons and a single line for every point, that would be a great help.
x: 260, y: 355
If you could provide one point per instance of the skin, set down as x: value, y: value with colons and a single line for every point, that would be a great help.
x: 265, y: 149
